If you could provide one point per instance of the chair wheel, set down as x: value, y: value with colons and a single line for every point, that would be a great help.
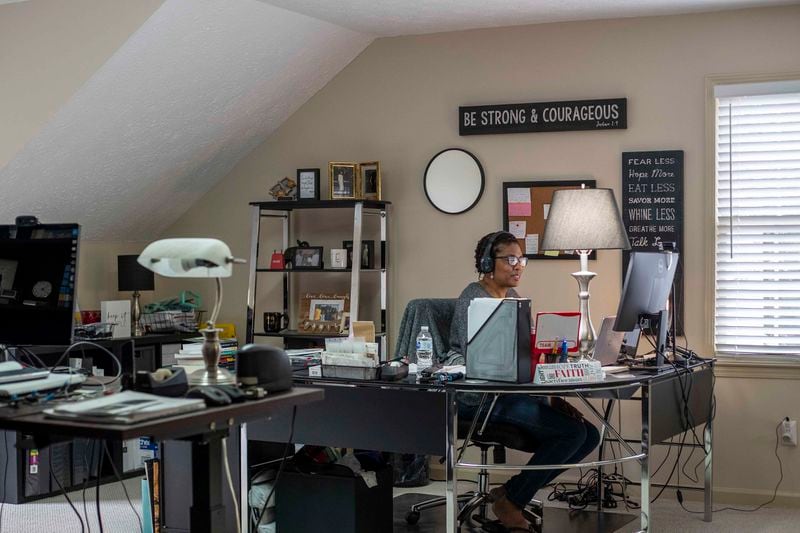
x: 412, y: 517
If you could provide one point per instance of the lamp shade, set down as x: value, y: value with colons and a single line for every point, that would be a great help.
x: 584, y: 219
x: 188, y: 258
x: 131, y: 276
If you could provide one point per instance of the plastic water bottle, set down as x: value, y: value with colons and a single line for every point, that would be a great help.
x: 424, y: 349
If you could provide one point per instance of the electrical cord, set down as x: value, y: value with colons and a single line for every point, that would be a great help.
x: 100, y: 457
x: 88, y: 452
x: 124, y: 489
x: 63, y: 491
x: 280, y: 468
x: 227, y: 466
x: 5, y: 476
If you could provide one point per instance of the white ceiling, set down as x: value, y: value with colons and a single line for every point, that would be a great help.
x: 197, y: 87
x: 203, y: 82
x: 408, y: 17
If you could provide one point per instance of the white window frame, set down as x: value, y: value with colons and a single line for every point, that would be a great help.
x: 765, y: 366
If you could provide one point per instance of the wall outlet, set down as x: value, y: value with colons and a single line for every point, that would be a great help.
x: 789, y: 432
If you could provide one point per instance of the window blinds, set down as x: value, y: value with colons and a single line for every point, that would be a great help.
x: 757, y: 291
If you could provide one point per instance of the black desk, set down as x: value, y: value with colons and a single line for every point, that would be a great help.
x: 205, y: 429
x: 408, y: 417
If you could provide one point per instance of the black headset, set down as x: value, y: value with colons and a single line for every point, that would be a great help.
x: 486, y: 264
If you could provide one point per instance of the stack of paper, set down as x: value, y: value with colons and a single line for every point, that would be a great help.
x: 190, y: 357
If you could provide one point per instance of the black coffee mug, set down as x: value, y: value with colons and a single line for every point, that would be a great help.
x: 274, y: 322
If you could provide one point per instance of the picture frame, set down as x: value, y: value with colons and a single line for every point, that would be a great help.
x: 526, y: 205
x: 322, y: 312
x: 370, y: 178
x: 308, y: 184
x: 343, y: 180
x: 367, y: 253
x: 308, y: 258
x: 344, y: 325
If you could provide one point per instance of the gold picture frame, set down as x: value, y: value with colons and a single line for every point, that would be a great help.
x: 343, y: 181
x: 369, y: 175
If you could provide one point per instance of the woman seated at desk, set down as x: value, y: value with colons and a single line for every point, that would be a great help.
x: 557, y: 431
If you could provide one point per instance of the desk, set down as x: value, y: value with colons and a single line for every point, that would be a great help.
x: 204, y: 428
x: 407, y: 417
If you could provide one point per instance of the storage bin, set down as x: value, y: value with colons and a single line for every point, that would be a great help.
x: 333, y: 498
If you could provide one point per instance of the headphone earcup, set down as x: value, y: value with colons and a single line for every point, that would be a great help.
x: 486, y: 265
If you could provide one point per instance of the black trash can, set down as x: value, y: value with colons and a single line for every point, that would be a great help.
x: 332, y: 498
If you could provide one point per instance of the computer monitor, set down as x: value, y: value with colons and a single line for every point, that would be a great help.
x: 38, y: 272
x: 648, y: 282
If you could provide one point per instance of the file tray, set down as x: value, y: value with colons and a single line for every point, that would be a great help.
x: 349, y: 372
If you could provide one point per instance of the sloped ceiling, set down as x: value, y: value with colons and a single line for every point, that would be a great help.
x: 198, y: 86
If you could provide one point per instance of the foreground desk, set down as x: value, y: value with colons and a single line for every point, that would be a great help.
x: 205, y: 429
x: 407, y: 417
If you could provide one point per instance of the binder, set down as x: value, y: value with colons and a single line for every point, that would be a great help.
x: 499, y: 340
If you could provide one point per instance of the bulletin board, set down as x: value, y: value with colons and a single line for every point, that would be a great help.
x: 525, y: 207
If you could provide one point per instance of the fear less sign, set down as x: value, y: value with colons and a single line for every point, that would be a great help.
x: 575, y: 115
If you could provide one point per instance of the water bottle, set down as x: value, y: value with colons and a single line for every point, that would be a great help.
x: 424, y: 349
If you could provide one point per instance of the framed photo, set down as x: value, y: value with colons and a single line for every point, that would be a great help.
x: 308, y: 258
x: 367, y: 253
x: 307, y: 184
x: 370, y: 175
x: 344, y: 325
x: 322, y: 312
x: 343, y: 180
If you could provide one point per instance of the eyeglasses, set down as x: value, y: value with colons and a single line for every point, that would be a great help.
x: 513, y: 260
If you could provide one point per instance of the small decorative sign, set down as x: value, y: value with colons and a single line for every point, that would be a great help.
x: 563, y: 373
x: 578, y: 115
x: 652, y: 208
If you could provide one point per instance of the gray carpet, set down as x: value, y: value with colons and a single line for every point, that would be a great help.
x: 53, y: 514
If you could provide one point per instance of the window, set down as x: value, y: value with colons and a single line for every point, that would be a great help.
x: 757, y: 244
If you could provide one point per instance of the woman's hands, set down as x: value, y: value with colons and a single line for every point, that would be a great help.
x: 560, y: 404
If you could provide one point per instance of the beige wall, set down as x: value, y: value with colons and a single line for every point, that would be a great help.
x: 398, y: 103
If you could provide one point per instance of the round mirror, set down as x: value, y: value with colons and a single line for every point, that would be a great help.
x: 454, y: 181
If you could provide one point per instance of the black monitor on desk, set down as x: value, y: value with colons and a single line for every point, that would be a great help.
x: 38, y: 272
x: 648, y: 282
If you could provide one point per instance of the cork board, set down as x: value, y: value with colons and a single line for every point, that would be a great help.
x: 525, y: 207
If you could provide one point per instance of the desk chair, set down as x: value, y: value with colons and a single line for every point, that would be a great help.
x: 437, y: 314
x: 495, y: 437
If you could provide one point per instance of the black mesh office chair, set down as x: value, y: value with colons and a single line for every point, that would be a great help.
x: 438, y: 314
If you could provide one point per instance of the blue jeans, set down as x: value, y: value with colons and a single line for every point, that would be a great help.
x: 557, y: 438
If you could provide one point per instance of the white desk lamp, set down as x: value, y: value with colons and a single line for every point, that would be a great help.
x: 197, y: 258
x: 584, y: 220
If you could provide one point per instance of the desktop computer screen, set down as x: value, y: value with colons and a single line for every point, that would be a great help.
x: 646, y: 289
x: 38, y: 272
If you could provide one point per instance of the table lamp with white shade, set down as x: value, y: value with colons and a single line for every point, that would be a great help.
x: 584, y: 220
x: 197, y: 258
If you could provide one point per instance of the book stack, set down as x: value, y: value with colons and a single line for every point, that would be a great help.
x: 190, y: 357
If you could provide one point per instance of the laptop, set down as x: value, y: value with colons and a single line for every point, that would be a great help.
x: 13, y: 372
x: 611, y: 344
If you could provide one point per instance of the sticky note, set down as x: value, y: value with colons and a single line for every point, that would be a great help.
x: 553, y: 253
x: 546, y: 210
x: 517, y: 228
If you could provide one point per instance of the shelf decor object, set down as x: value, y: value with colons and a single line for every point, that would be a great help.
x: 584, y: 220
x: 343, y: 180
x: 197, y: 258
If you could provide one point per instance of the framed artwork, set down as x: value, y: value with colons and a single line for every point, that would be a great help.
x: 526, y: 205
x: 307, y: 184
x: 322, y: 312
x: 367, y: 253
x: 370, y: 175
x: 343, y: 180
x: 307, y: 258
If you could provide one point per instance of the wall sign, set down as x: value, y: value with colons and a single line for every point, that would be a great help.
x: 652, y: 207
x: 611, y: 114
